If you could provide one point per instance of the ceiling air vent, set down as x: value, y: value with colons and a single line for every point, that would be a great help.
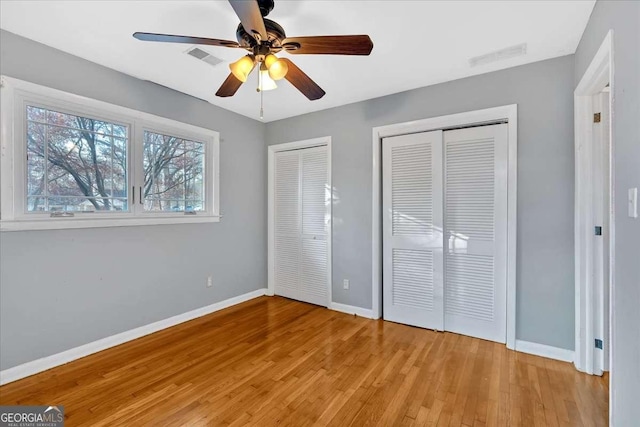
x: 499, y: 55
x: 205, y: 56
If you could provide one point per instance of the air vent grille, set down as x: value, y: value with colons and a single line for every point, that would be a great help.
x: 499, y: 55
x: 203, y: 55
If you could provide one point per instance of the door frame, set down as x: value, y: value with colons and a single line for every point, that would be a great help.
x: 271, y: 151
x: 587, y: 316
x: 505, y: 113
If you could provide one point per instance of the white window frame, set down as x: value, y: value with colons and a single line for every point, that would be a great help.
x: 17, y: 94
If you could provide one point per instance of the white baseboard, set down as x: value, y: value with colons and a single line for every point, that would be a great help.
x: 544, y: 351
x: 48, y: 362
x: 352, y: 309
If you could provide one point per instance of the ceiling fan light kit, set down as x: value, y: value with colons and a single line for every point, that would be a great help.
x: 265, y: 81
x: 263, y: 38
x: 277, y: 67
x: 243, y: 67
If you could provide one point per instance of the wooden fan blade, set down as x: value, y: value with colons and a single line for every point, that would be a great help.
x: 229, y: 87
x: 302, y: 82
x: 170, y: 38
x: 249, y: 13
x: 329, y: 45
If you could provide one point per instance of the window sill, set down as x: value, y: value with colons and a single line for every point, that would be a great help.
x: 68, y: 223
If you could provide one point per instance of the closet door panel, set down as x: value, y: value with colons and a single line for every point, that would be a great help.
x: 287, y: 224
x: 315, y: 211
x: 412, y: 229
x: 475, y: 231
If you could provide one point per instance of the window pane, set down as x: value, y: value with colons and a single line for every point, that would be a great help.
x: 36, y: 114
x: 120, y: 131
x: 173, y: 173
x: 74, y: 163
x: 35, y: 159
x: 72, y: 204
x: 119, y: 177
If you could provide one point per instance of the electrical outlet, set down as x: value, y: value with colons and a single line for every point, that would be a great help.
x: 345, y: 284
x: 209, y: 282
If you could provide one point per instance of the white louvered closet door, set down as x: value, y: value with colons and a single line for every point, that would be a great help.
x: 412, y: 229
x: 287, y: 224
x: 475, y: 219
x: 301, y: 225
x: 314, y: 217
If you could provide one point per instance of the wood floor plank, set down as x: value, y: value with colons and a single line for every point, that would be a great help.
x: 273, y: 361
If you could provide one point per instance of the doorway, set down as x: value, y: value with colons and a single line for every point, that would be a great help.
x: 506, y: 116
x: 444, y: 203
x: 594, y: 216
x: 299, y: 220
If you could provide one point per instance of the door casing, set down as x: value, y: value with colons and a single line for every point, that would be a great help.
x: 589, y: 309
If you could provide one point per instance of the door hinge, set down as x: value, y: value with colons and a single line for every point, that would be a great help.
x: 598, y: 230
x: 599, y: 343
x: 596, y: 118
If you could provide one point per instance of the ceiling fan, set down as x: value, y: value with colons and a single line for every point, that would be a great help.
x: 263, y: 38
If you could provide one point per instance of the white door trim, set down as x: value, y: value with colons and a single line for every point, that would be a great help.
x: 598, y: 74
x: 489, y: 115
x: 288, y: 146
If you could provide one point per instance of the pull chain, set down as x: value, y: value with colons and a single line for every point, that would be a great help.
x: 261, y: 94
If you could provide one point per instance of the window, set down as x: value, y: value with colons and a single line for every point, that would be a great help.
x: 74, y: 162
x: 173, y: 173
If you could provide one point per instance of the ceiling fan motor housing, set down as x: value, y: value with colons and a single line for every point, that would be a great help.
x: 275, y: 35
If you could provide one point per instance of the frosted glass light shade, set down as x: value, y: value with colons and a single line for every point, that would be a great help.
x: 242, y: 67
x: 266, y: 83
x: 277, y: 67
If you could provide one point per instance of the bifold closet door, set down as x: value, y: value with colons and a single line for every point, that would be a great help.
x: 301, y: 214
x: 412, y: 229
x: 475, y: 220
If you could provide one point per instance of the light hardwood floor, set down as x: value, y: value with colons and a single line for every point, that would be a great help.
x: 273, y: 361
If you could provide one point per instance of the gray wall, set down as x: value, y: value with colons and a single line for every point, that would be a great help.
x: 62, y: 289
x: 623, y: 17
x: 52, y: 299
x: 544, y: 94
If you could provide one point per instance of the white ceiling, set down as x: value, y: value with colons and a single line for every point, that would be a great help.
x: 416, y: 43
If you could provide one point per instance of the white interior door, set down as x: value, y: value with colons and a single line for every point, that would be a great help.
x: 302, y: 214
x: 475, y: 221
x: 412, y: 229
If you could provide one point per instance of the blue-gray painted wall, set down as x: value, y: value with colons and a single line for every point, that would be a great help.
x: 63, y: 288
x: 544, y: 94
